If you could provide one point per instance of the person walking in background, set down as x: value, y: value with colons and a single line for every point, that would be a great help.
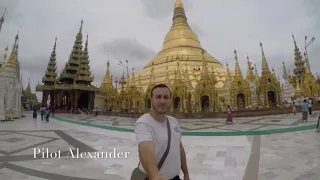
x: 310, y: 106
x: 34, y: 114
x: 42, y: 112
x: 305, y: 110
x: 229, y: 115
x: 294, y: 109
x: 158, y: 136
x: 47, y: 115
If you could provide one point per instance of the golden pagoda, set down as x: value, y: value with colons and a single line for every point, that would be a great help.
x: 181, y: 44
x: 198, y: 81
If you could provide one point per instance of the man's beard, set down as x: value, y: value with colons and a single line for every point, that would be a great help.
x: 161, y: 112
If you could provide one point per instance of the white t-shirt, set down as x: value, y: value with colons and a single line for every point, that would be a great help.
x: 148, y: 129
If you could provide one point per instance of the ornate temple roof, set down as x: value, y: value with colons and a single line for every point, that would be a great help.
x: 76, y: 74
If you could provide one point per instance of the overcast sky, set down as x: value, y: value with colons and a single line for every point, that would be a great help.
x: 135, y: 29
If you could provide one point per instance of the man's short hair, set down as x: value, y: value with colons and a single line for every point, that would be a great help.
x: 160, y: 86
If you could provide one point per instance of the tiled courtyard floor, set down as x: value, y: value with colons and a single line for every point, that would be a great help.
x: 286, y: 156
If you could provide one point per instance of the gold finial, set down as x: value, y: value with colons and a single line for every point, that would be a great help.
x: 237, y: 66
x: 264, y: 64
x: 178, y: 4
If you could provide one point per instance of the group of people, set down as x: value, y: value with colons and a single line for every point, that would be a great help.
x: 44, y: 114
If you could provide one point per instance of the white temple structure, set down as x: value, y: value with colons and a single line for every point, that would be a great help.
x: 10, y: 85
x: 287, y: 93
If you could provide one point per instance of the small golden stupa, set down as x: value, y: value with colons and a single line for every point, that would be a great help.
x: 181, y: 44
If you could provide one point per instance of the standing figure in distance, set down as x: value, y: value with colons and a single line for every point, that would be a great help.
x: 294, y: 110
x: 229, y: 115
x: 34, y: 114
x: 158, y: 136
x: 305, y: 110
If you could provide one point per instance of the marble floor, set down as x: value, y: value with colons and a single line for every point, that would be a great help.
x: 286, y: 156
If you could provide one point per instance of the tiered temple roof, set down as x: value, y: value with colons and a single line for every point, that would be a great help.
x: 76, y: 74
x: 49, y: 79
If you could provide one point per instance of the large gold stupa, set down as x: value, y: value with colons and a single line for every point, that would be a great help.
x: 198, y: 81
x: 180, y: 44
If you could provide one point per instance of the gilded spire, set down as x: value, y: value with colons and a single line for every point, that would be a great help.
x: 178, y: 72
x: 284, y: 71
x: 205, y: 72
x: 250, y: 75
x: 179, y: 16
x: 167, y: 81
x: 178, y: 4
x: 180, y: 33
x: 13, y: 58
x: 133, y: 81
x: 307, y: 69
x: 264, y: 64
x: 228, y: 78
x: 107, y: 81
x: 237, y: 70
x: 153, y: 76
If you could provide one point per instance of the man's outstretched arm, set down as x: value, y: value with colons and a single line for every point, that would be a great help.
x: 183, y: 158
x: 148, y: 159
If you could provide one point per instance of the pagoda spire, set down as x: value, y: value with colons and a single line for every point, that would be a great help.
x: 174, y: 37
x: 167, y: 81
x: 284, y: 71
x: 28, y: 91
x: 13, y: 58
x: 107, y: 78
x: 205, y: 72
x: 250, y: 75
x: 264, y: 64
x: 84, y: 73
x: 228, y: 81
x: 307, y: 69
x: 133, y: 80
x: 50, y: 75
x: 2, y: 18
x: 238, y: 72
x: 71, y: 71
x: 228, y: 77
x: 299, y: 69
x: 179, y: 15
x: 153, y: 76
x: 178, y: 72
